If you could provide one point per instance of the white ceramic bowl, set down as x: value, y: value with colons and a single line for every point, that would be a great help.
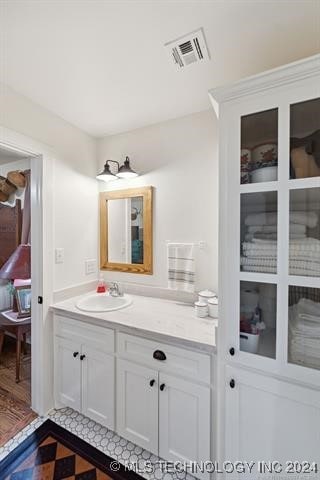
x: 265, y: 154
x: 265, y: 174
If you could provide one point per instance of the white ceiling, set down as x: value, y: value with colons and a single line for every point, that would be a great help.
x: 102, y: 66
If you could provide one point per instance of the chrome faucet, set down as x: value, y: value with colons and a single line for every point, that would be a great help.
x: 115, y: 290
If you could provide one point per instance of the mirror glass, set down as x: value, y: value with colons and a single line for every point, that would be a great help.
x: 125, y: 230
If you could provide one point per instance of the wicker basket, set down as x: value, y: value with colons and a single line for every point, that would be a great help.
x: 304, y: 165
x: 3, y: 197
x: 6, y: 186
x: 17, y: 178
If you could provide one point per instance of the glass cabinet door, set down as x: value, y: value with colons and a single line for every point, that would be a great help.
x: 304, y: 327
x: 279, y: 240
x: 304, y: 235
x: 258, y: 232
x: 258, y: 313
x: 305, y: 139
x: 259, y: 147
x: 304, y: 232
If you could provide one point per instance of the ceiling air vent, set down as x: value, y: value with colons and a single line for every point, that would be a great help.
x: 189, y: 48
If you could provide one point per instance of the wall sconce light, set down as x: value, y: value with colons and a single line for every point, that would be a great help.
x: 125, y: 171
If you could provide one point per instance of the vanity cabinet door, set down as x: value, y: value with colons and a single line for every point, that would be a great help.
x: 184, y: 421
x: 137, y: 404
x: 98, y: 385
x: 67, y: 374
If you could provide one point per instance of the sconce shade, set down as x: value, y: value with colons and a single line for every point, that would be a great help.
x: 18, y: 264
x: 106, y: 175
x: 125, y: 171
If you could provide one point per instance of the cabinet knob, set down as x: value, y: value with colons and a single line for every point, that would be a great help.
x: 159, y: 355
x: 162, y: 387
x: 232, y: 383
x: 232, y: 351
x: 152, y: 382
x: 82, y: 357
x: 75, y: 354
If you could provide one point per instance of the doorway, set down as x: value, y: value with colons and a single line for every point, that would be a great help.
x: 15, y: 293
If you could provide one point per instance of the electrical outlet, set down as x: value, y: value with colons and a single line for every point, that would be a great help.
x: 91, y: 266
x: 59, y: 255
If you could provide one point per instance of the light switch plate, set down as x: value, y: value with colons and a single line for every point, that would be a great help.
x: 59, y: 255
x: 91, y: 266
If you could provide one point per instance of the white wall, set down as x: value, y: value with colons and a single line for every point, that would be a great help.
x: 75, y: 186
x: 180, y: 159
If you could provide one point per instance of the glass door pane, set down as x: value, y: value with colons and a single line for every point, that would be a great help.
x: 304, y: 250
x: 259, y: 231
x: 258, y: 313
x: 305, y: 139
x: 304, y: 326
x: 259, y: 147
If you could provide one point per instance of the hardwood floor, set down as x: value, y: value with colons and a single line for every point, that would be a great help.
x: 15, y: 398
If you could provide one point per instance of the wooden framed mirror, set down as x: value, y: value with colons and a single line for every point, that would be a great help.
x: 126, y: 230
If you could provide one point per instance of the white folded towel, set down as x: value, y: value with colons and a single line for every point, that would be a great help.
x: 310, y: 219
x: 181, y: 267
x: 272, y: 236
x: 294, y: 228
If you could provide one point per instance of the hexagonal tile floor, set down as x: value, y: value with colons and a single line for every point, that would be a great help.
x: 104, y: 440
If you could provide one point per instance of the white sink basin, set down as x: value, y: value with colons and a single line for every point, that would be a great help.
x: 101, y: 302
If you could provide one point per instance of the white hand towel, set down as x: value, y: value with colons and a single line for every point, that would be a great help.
x: 181, y: 267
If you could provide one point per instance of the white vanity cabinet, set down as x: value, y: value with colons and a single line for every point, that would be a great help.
x: 184, y: 426
x: 163, y: 399
x: 67, y: 372
x: 84, y: 369
x: 269, y: 271
x: 137, y: 404
x: 157, y: 395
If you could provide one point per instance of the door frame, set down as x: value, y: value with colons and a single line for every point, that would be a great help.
x: 42, y: 160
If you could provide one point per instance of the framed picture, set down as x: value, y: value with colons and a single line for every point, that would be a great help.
x: 23, y: 295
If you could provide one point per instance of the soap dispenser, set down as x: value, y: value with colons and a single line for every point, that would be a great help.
x: 101, y: 287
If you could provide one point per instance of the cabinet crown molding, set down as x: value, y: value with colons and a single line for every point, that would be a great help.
x: 270, y: 79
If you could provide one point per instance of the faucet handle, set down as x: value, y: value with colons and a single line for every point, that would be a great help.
x: 120, y: 290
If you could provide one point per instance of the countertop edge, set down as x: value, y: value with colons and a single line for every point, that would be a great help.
x: 166, y: 337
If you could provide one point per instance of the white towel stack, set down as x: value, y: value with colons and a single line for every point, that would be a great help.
x: 304, y: 333
x: 181, y: 267
x: 259, y: 250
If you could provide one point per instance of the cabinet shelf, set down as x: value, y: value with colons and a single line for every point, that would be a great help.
x: 258, y: 277
x: 310, y: 282
x: 304, y: 183
x: 259, y: 187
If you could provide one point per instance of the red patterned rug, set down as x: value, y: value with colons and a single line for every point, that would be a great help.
x: 53, y: 453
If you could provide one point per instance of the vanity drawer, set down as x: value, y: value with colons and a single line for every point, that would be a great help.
x: 166, y: 358
x: 100, y: 338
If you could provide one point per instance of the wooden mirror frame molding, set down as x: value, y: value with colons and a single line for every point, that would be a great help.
x: 146, y: 266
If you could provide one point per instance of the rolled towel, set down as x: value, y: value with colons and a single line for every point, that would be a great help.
x: 310, y: 219
x: 294, y: 228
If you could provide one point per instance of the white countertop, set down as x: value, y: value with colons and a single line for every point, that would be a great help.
x: 167, y: 318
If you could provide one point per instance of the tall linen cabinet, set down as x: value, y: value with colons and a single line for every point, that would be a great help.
x: 269, y: 320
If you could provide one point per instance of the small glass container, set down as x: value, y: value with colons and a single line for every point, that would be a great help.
x: 201, y: 309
